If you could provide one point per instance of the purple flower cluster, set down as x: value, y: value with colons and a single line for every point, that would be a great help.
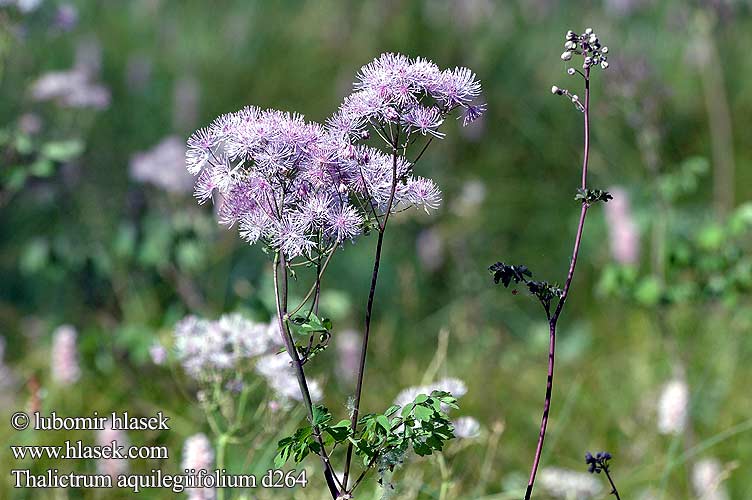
x: 303, y: 188
x: 413, y: 94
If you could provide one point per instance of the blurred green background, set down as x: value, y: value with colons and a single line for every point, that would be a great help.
x: 86, y: 240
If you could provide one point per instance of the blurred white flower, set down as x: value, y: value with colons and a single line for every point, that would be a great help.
x: 203, y: 346
x: 464, y: 15
x: 64, y: 356
x: 348, y: 344
x: 280, y: 376
x: 66, y: 17
x: 648, y: 494
x: 89, y: 57
x: 673, y: 406
x: 185, y: 103
x: 707, y: 480
x: 163, y: 166
x: 30, y: 123
x: 622, y: 8
x: 454, y: 386
x: 208, y: 348
x: 72, y: 89
x: 77, y: 87
x: 158, y: 353
x: 569, y: 484
x: 198, y: 454
x: 469, y: 199
x: 7, y: 377
x: 430, y: 249
x: 25, y: 6
x: 138, y: 70
x: 624, y: 235
x: 466, y: 428
x: 113, y: 467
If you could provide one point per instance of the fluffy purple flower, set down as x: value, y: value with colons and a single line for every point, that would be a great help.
x: 425, y: 120
x: 292, y: 238
x: 472, y: 113
x: 457, y: 87
x: 396, y: 89
x: 278, y: 176
x: 302, y: 188
x: 199, y: 151
x: 422, y: 192
x: 344, y: 223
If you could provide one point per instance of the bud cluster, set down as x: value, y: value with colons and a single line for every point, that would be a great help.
x: 573, y: 97
x: 597, y: 463
x: 588, y: 46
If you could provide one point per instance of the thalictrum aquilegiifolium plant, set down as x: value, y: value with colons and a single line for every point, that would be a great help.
x: 586, y: 47
x: 302, y: 190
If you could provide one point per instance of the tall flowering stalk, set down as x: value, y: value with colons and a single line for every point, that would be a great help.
x: 552, y: 298
x: 303, y: 189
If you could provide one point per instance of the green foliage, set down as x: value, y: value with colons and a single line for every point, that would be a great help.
x: 421, y: 425
x: 318, y: 331
x: 590, y: 196
x: 310, y: 324
x: 544, y: 291
x: 684, y: 180
x: 506, y: 273
x: 297, y: 447
x: 713, y: 262
x: 27, y: 158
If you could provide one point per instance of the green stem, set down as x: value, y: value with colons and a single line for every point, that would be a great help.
x: 446, y: 482
x: 221, y: 447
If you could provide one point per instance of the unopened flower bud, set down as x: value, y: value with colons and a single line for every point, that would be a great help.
x: 593, y: 39
x: 566, y: 56
x: 570, y: 45
x: 604, y: 64
x: 589, y: 31
x: 556, y: 90
x: 391, y: 114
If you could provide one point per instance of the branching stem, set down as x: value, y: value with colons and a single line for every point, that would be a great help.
x: 280, y: 292
x: 562, y: 300
x: 369, y: 310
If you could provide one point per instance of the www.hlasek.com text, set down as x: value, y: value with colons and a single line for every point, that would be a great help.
x: 76, y: 450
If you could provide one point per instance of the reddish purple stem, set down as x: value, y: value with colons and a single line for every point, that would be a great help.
x: 552, y: 320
